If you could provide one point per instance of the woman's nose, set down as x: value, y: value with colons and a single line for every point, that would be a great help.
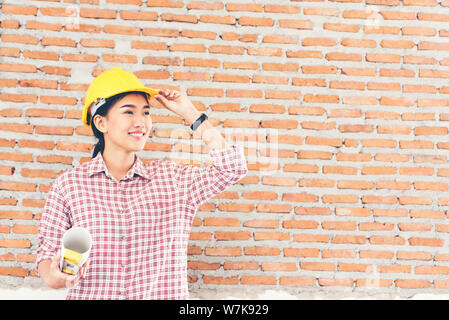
x: 142, y: 121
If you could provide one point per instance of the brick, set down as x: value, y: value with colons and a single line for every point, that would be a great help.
x: 356, y: 212
x: 324, y: 42
x: 379, y: 199
x: 223, y: 252
x: 25, y: 229
x: 412, y: 284
x: 323, y: 155
x: 258, y: 280
x: 274, y: 181
x: 374, y: 283
x: 317, y: 266
x: 366, y: 226
x: 138, y: 15
x: 347, y: 254
x: 338, y: 225
x: 351, y: 184
x: 335, y: 282
x: 376, y: 254
x: 391, y: 157
x: 340, y: 27
x: 220, y: 280
x: 198, y: 265
x: 340, y: 170
x: 381, y: 30
x: 98, y: 13
x: 354, y: 239
x: 299, y: 197
x: 178, y: 18
x: 431, y: 270
x: 306, y: 168
x: 255, y: 21
x: 279, y: 266
x: 200, y: 236
x: 339, y: 198
x: 18, y: 186
x: 383, y: 240
x: 295, y: 24
x: 297, y: 281
x: 234, y: 236
x: 320, y: 183
x: 354, y: 267
x: 97, y: 43
x: 441, y: 284
x: 300, y: 224
x: 323, y: 141
x: 241, y: 265
x: 12, y: 243
x: 261, y: 223
x: 260, y: 195
x: 273, y: 208
x: 14, y: 271
x: 404, y: 200
x: 261, y: 251
x: 420, y: 241
x: 217, y: 19
x: 236, y: 207
x: 21, y: 10
x: 7, y: 257
x: 227, y: 222
x: 301, y: 252
x: 271, y: 236
x: 395, y: 269
x: 311, y: 238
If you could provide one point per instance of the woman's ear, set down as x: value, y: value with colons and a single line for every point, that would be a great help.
x: 99, y: 122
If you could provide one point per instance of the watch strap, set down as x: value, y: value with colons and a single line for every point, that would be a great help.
x: 198, y: 122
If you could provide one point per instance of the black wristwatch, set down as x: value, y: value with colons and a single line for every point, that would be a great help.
x: 198, y: 122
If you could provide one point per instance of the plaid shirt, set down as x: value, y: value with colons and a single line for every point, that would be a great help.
x: 140, y: 225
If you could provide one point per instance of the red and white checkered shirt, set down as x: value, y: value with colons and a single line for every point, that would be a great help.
x: 140, y: 225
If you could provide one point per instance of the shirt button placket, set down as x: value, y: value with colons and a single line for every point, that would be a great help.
x: 126, y: 220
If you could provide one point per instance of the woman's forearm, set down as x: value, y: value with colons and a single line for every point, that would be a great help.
x: 211, y: 136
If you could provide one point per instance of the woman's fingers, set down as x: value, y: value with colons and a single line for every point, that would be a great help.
x: 168, y: 94
x: 55, y: 261
x: 83, y: 270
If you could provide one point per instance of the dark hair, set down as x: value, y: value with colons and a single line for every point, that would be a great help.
x: 102, y: 111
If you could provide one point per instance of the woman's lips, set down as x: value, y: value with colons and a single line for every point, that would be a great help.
x: 137, y: 136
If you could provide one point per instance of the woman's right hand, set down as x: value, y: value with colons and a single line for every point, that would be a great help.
x: 57, y: 279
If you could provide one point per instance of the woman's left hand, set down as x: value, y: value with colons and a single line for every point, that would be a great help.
x: 178, y: 103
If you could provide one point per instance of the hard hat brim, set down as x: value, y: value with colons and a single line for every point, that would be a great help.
x: 152, y: 92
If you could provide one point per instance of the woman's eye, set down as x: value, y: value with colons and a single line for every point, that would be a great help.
x: 130, y: 112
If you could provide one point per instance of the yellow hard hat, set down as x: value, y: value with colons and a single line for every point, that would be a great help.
x: 108, y: 84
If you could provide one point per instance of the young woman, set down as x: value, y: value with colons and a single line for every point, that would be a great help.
x: 139, y: 215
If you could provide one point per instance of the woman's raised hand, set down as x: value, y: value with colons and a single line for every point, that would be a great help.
x: 178, y: 103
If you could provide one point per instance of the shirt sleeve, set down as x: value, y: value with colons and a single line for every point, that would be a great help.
x: 229, y: 166
x: 54, y: 222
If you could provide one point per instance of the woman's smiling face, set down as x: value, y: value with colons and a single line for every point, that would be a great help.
x: 127, y: 124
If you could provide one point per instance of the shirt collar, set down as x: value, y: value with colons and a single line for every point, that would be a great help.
x: 97, y: 164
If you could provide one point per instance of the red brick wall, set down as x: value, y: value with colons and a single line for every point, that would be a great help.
x: 342, y: 107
